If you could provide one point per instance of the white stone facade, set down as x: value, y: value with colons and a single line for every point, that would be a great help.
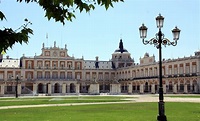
x: 54, y: 72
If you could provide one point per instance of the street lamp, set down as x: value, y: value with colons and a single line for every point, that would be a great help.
x: 16, y: 87
x: 158, y: 41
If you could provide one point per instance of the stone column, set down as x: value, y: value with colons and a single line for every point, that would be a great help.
x: 178, y: 89
x: 153, y: 88
x: 77, y: 88
x: 63, y: 88
x: 49, y: 89
x: 141, y: 88
x: 119, y: 88
x: 175, y: 88
x: 195, y: 88
x: 68, y: 88
x: 198, y: 82
x: 44, y: 88
x: 164, y: 89
x: 19, y: 89
x: 185, y: 88
x: 130, y: 88
x: 35, y: 88
x: 2, y: 89
x: 191, y: 71
x: 6, y: 75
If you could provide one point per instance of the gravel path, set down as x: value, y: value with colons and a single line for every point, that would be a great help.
x: 136, y: 98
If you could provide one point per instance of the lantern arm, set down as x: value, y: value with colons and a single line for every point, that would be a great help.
x: 166, y: 42
x: 153, y: 41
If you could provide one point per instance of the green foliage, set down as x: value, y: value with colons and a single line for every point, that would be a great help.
x: 62, y: 10
x: 8, y: 36
x: 59, y: 10
x: 2, y: 16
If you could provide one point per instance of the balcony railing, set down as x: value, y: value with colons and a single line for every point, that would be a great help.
x: 164, y: 76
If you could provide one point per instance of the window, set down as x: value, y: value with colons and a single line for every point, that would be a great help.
x: 47, y: 65
x: 78, y: 65
x: 29, y: 66
x: 9, y: 76
x: 69, y: 65
x: 78, y: 76
x: 29, y: 76
x: 39, y: 75
x: 54, y: 65
x: 62, y: 75
x: 1, y: 76
x: 55, y: 75
x: 47, y: 75
x: 87, y: 76
x: 47, y: 53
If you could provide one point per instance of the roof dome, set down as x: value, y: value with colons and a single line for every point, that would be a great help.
x: 121, y: 48
x: 146, y: 54
x: 118, y: 50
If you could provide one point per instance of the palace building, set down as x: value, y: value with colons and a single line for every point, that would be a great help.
x: 54, y: 72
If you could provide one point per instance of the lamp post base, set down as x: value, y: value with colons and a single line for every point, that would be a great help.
x: 161, y: 118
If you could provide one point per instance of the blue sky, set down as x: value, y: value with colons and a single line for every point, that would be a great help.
x: 98, y: 33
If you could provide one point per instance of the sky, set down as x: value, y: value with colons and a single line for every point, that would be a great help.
x: 98, y: 33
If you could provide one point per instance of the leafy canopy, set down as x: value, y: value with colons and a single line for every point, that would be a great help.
x: 59, y: 10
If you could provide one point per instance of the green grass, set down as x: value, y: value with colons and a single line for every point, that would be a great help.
x: 184, y: 96
x: 104, y: 112
x: 58, y: 100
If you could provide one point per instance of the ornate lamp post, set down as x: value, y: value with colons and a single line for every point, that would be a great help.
x: 158, y: 41
x: 16, y: 87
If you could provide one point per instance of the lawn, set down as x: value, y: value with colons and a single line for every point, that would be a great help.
x: 104, y: 112
x: 175, y: 111
x: 58, y: 100
x: 184, y: 96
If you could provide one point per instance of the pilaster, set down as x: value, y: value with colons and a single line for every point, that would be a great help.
x: 164, y: 89
x: 19, y: 89
x: 68, y: 88
x: 77, y: 88
x: 185, y: 88
x: 130, y: 88
x: 2, y: 89
x: 35, y: 88
x: 49, y: 89
x: 141, y: 88
x: 153, y: 88
x: 175, y: 88
x: 63, y: 88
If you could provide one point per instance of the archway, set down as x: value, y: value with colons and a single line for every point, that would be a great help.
x: 72, y: 88
x: 146, y: 87
x: 170, y: 87
x: 47, y: 88
x: 84, y: 88
x: 40, y: 88
x: 57, y: 88
x: 104, y: 88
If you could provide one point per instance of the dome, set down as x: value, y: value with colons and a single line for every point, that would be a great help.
x: 121, y: 48
x: 118, y: 50
x: 146, y: 54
